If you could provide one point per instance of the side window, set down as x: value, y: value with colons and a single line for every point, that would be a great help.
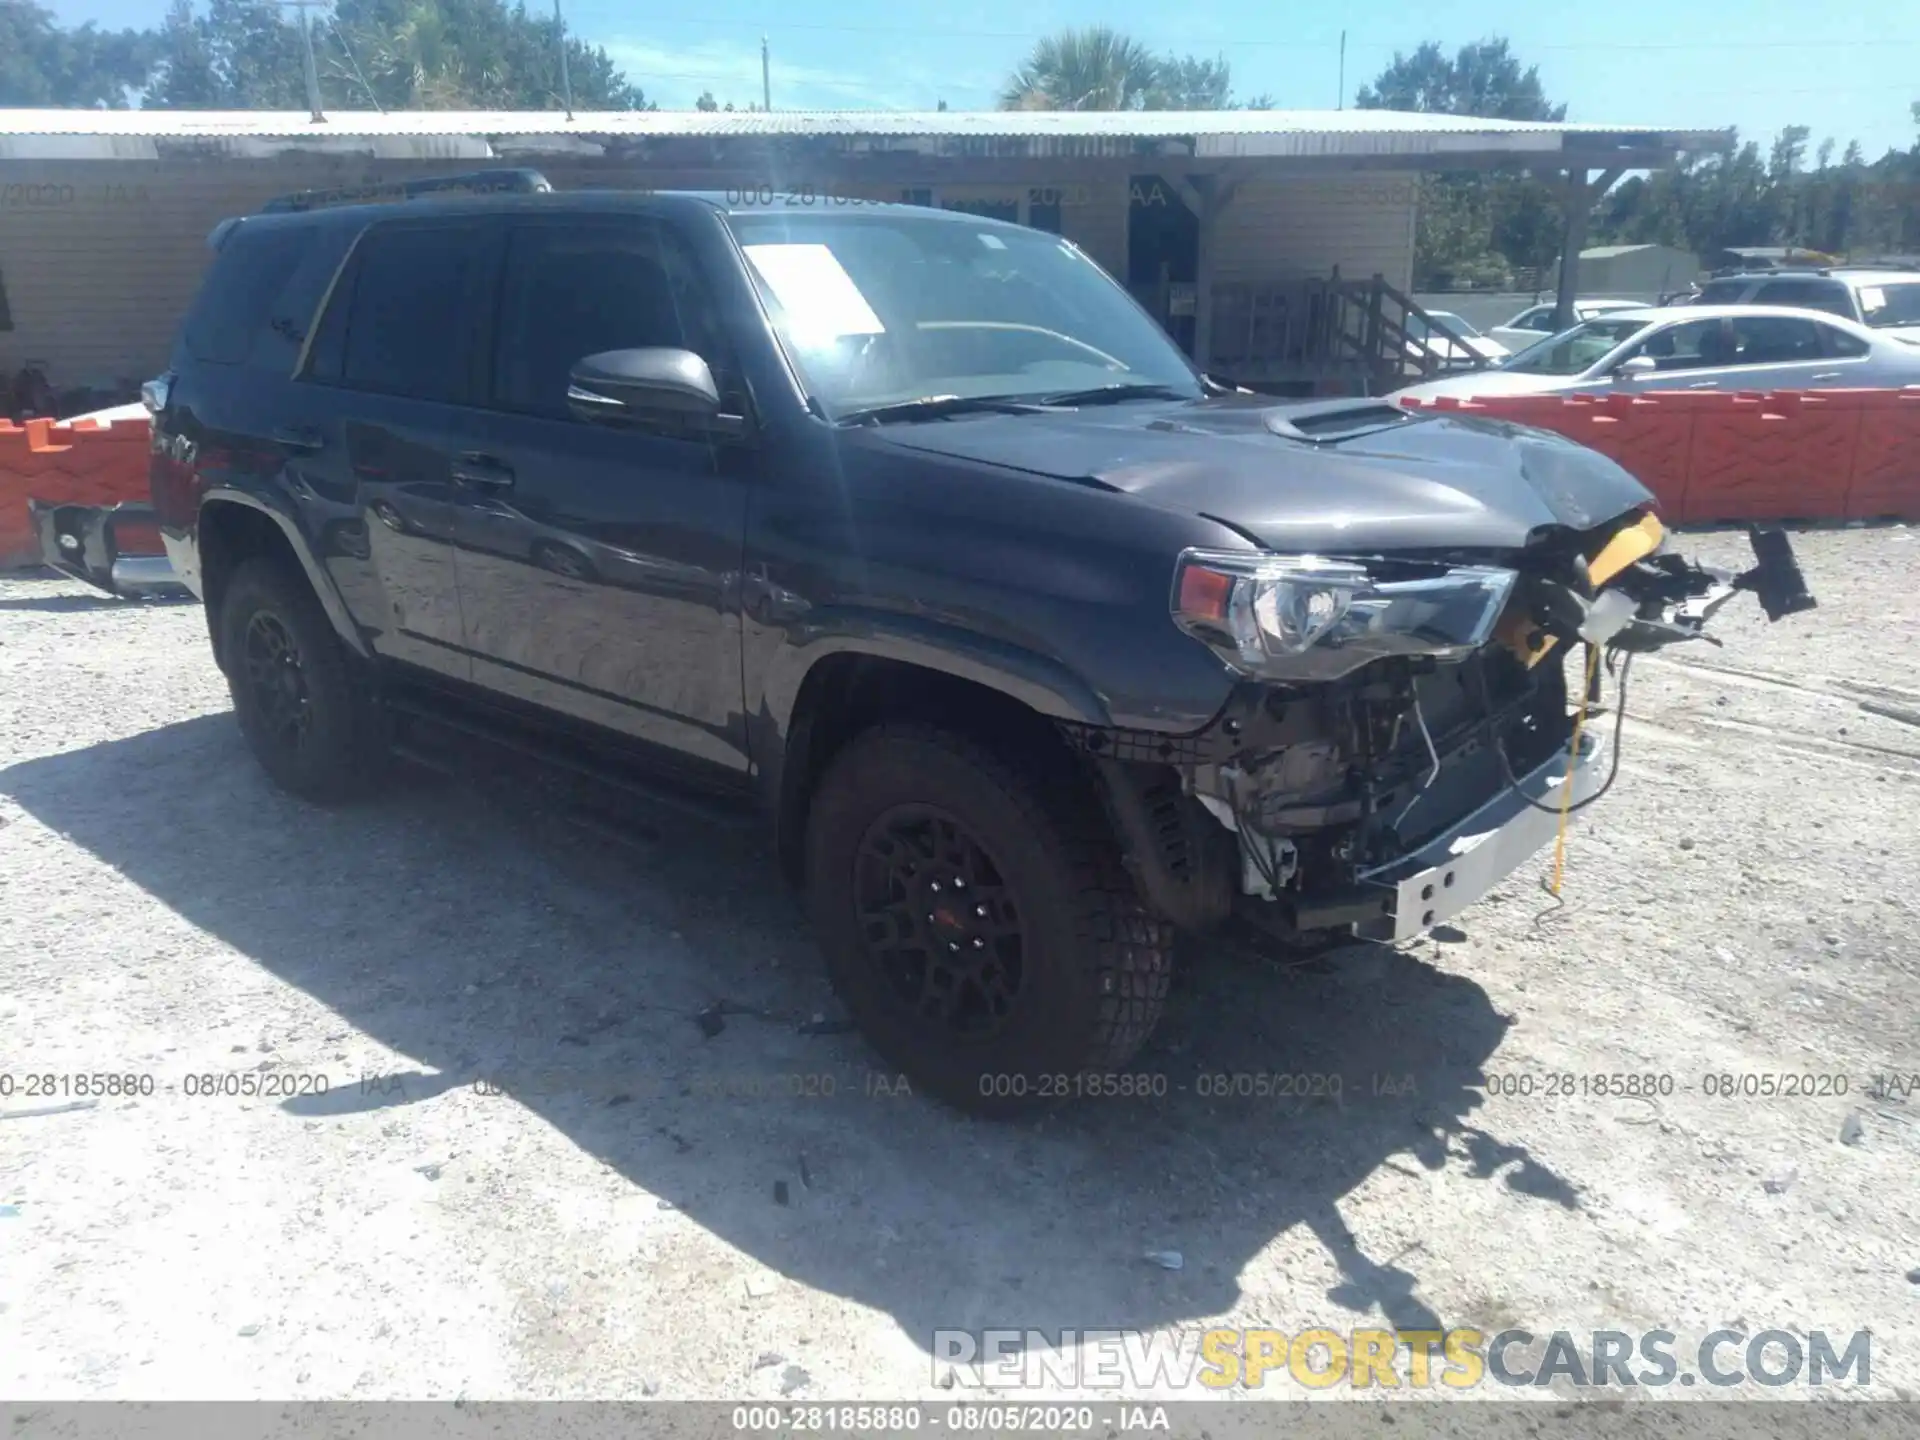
x: 247, y: 276
x: 1540, y: 318
x: 1684, y: 347
x: 576, y: 290
x: 1828, y: 295
x: 1775, y: 340
x: 292, y: 311
x: 1722, y: 292
x: 1842, y: 344
x: 408, y: 320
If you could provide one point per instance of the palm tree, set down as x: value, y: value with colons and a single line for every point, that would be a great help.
x: 1096, y: 68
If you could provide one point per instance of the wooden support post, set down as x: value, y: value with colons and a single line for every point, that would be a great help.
x: 1208, y: 196
x: 1576, y: 204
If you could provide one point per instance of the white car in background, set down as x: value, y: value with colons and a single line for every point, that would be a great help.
x: 1535, y: 323
x: 1695, y: 347
x: 1478, y: 346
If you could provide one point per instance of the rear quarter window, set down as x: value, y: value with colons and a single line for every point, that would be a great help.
x: 261, y: 295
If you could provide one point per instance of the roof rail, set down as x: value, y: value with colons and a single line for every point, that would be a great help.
x: 1736, y: 272
x: 474, y: 182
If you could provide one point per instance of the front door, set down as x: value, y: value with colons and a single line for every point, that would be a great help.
x: 599, y: 566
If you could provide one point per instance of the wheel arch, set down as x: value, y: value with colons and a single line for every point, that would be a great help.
x: 850, y: 688
x: 233, y: 527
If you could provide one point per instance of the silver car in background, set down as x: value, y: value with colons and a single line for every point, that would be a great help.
x: 1696, y: 347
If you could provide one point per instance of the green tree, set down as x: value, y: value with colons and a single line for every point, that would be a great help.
x: 1187, y: 83
x: 1099, y: 68
x: 1473, y: 228
x: 399, y: 54
x: 1483, y: 79
x: 1096, y: 68
x: 42, y: 65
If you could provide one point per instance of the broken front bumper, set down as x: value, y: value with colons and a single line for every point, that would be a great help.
x: 114, y: 548
x: 1459, y: 866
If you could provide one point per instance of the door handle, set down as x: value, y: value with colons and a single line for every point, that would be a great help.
x: 481, y: 472
x: 301, y: 439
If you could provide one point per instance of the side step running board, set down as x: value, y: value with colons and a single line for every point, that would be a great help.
x: 554, y: 755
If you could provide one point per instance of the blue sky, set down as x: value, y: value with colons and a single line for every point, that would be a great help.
x: 1847, y: 72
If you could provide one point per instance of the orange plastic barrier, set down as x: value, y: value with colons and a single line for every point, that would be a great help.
x: 78, y: 462
x: 1720, y: 455
x: 1886, y: 463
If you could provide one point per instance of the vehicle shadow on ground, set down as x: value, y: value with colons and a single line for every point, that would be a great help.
x: 487, y: 939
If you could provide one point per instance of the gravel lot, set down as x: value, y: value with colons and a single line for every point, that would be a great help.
x: 1745, y: 902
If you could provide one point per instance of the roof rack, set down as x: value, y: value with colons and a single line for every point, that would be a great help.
x: 475, y: 182
x: 1735, y: 272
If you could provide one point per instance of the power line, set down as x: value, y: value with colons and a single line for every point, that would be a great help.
x: 924, y: 33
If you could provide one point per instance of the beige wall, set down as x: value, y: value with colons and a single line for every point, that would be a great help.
x: 100, y: 258
x: 1300, y: 228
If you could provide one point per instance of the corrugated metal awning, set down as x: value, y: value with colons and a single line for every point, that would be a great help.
x: 459, y: 134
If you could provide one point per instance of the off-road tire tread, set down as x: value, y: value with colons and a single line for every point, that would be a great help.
x: 1125, y: 951
x: 357, y: 758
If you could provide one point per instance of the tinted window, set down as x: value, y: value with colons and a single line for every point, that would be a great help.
x: 1537, y: 319
x: 1678, y: 347
x: 1842, y: 344
x: 1775, y: 340
x: 248, y: 275
x: 408, y: 318
x: 577, y: 290
x: 291, y: 313
x: 1828, y: 295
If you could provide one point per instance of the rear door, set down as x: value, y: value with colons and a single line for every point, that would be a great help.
x: 600, y: 566
x: 389, y: 380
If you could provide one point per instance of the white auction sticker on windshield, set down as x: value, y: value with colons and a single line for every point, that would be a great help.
x: 818, y: 295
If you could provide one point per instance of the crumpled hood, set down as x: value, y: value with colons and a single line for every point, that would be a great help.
x: 1434, y: 482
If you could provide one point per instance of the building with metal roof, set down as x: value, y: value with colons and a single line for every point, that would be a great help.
x: 1277, y: 245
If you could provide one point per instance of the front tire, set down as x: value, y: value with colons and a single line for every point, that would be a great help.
x: 977, y: 921
x: 300, y: 705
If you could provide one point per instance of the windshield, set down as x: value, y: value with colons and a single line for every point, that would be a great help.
x: 1576, y: 350
x: 1884, y: 305
x: 882, y: 308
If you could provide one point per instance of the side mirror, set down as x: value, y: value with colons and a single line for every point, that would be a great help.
x: 1636, y: 367
x: 658, y: 388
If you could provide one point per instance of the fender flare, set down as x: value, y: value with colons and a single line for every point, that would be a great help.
x: 324, y: 589
x: 1039, y: 682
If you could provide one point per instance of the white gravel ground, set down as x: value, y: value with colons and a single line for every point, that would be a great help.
x: 1746, y: 902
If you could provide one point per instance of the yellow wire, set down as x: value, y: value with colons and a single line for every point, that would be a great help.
x: 1573, y: 757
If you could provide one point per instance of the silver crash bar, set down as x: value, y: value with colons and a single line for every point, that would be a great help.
x: 1460, y: 865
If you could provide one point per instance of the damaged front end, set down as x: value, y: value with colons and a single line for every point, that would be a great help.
x: 1406, y: 733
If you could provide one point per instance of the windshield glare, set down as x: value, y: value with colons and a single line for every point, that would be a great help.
x: 1884, y: 305
x: 1573, y: 351
x: 881, y: 308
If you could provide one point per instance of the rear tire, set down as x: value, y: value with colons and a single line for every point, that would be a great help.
x: 977, y: 922
x: 305, y: 713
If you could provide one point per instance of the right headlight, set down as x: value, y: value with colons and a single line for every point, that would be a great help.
x: 1306, y: 617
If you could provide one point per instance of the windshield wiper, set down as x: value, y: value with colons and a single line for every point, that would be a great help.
x: 1110, y: 394
x: 935, y: 407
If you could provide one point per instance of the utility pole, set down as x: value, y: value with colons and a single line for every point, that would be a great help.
x: 308, y: 70
x: 766, y: 77
x: 566, y: 82
x: 1343, y: 72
